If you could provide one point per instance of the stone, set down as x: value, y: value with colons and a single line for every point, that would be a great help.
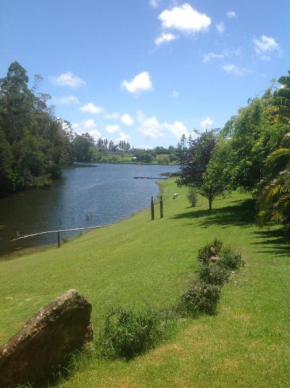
x: 213, y: 259
x: 56, y: 330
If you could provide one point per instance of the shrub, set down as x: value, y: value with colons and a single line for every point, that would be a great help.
x: 192, y: 195
x: 214, y: 274
x: 209, y: 250
x: 200, y: 298
x: 230, y: 260
x: 128, y: 333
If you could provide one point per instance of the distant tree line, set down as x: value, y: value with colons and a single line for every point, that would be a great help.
x: 35, y: 145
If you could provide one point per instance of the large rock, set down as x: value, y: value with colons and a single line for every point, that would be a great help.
x: 56, y: 330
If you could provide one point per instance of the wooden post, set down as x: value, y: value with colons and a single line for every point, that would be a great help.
x: 161, y: 207
x: 152, y: 209
x: 58, y: 239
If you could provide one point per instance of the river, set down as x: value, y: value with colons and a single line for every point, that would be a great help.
x: 84, y: 196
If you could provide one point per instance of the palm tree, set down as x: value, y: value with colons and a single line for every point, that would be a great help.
x: 274, y: 200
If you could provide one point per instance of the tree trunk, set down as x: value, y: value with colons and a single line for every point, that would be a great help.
x: 210, y: 203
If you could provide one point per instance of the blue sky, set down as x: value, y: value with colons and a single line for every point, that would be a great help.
x: 146, y: 71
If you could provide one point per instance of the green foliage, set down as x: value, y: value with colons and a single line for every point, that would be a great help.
x: 200, y: 298
x: 192, y: 195
x: 231, y: 260
x: 274, y: 196
x: 251, y: 136
x: 143, y: 156
x: 163, y: 159
x: 201, y: 171
x: 33, y: 143
x: 209, y: 250
x: 214, y: 274
x: 128, y: 333
x: 282, y: 100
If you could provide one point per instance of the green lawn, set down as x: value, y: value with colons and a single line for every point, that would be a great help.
x: 137, y: 262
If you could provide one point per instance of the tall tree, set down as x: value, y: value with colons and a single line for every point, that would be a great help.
x: 274, y: 198
x: 194, y: 172
x: 33, y: 143
x: 84, y: 148
x: 252, y: 138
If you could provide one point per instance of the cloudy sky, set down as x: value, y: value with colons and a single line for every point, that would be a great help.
x: 147, y: 71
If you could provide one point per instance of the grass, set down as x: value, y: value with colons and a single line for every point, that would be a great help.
x: 138, y: 263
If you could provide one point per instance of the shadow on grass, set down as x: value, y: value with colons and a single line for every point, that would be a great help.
x: 273, y: 241
x: 241, y: 214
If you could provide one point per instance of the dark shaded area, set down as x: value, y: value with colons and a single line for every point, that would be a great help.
x: 273, y: 241
x: 242, y: 214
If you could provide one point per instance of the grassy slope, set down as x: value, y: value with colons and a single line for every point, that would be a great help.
x: 141, y: 262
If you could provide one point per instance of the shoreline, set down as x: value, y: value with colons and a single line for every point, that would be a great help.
x: 19, y: 252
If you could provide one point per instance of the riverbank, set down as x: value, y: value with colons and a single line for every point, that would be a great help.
x: 137, y: 262
x: 83, y: 197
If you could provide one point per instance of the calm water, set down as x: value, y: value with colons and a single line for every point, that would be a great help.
x: 82, y: 197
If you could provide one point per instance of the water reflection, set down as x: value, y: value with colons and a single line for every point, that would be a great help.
x: 82, y: 197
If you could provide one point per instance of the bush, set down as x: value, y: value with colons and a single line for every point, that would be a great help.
x: 230, y: 260
x: 209, y: 250
x: 214, y: 274
x: 192, y: 195
x: 200, y: 298
x: 128, y: 333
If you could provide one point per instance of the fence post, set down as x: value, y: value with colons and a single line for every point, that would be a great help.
x: 58, y: 239
x: 152, y: 209
x: 161, y: 207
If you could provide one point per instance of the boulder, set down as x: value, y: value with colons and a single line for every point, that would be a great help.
x: 60, y: 328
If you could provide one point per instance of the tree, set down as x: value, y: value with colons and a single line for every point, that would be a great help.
x: 200, y: 171
x: 143, y: 156
x: 34, y: 144
x: 252, y: 137
x: 274, y: 198
x: 281, y: 100
x: 181, y: 149
x: 84, y: 148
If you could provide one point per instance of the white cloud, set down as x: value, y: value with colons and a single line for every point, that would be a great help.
x: 123, y: 137
x: 152, y: 129
x: 265, y: 47
x: 149, y: 127
x: 155, y: 3
x: 164, y: 38
x: 91, y: 108
x: 177, y: 129
x: 235, y: 70
x: 206, y: 123
x: 68, y: 79
x: 184, y: 18
x: 208, y: 57
x: 174, y: 94
x: 231, y: 15
x: 110, y: 116
x: 127, y: 119
x: 112, y: 128
x: 224, y: 54
x: 95, y: 134
x: 65, y: 100
x: 87, y: 126
x: 141, y: 82
x: 220, y: 27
